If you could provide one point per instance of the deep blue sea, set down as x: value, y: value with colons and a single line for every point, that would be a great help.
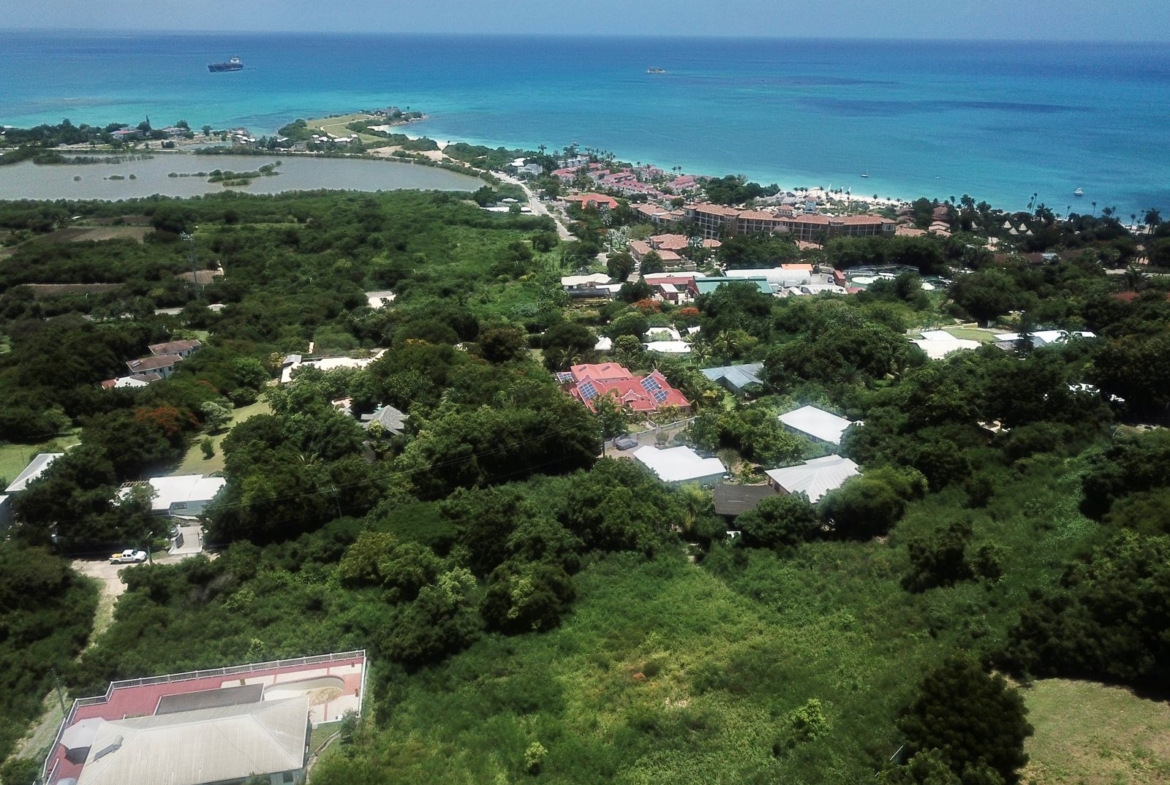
x: 999, y: 121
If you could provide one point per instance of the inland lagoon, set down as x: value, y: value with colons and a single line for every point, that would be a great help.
x: 178, y: 174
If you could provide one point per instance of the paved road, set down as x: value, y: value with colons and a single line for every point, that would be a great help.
x: 535, y: 205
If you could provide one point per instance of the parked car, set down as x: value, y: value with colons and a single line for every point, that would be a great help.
x: 625, y: 443
x: 128, y: 556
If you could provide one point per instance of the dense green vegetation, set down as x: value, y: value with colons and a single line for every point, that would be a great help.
x: 534, y: 609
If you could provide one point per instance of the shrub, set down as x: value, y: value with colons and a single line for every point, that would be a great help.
x: 971, y: 718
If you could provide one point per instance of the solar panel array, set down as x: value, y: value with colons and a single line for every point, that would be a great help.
x: 564, y: 376
x: 660, y: 395
x: 588, y: 391
x: 650, y: 384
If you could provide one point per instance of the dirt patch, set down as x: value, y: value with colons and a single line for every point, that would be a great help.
x: 323, y: 695
x: 76, y: 234
x: 42, y: 290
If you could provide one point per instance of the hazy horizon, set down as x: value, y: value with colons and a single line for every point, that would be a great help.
x: 598, y: 35
x: 974, y: 20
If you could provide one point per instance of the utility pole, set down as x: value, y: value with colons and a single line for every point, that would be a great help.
x: 60, y: 696
x: 191, y: 258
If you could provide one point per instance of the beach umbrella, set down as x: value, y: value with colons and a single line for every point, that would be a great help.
x: 78, y: 738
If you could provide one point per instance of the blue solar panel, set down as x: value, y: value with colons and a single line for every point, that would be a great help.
x: 650, y: 384
x: 588, y: 391
x: 660, y: 395
x: 564, y: 376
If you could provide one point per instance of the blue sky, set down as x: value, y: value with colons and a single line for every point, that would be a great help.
x: 1124, y: 20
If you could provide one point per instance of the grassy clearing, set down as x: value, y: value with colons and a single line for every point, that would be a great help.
x: 321, y: 734
x: 971, y: 333
x: 1092, y: 734
x: 15, y: 457
x: 194, y: 462
x: 338, y: 126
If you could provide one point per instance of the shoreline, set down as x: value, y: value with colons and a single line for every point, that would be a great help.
x: 818, y: 192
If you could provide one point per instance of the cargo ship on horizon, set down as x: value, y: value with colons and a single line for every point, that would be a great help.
x: 235, y: 64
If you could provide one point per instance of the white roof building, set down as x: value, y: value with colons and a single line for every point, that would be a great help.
x: 668, y: 347
x: 325, y: 364
x: 939, y: 343
x: 814, y: 478
x: 380, y: 299
x: 34, y: 470
x: 223, y: 744
x: 778, y: 276
x: 573, y: 281
x: 185, y: 494
x: 681, y: 464
x: 817, y: 423
x: 1046, y: 337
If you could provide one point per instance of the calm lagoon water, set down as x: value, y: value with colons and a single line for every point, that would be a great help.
x: 997, y: 120
x: 55, y: 181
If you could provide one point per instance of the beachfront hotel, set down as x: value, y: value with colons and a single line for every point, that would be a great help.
x: 713, y: 220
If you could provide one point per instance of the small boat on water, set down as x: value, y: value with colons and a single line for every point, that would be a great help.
x: 655, y: 70
x: 865, y: 173
x: 235, y: 64
x: 1079, y: 192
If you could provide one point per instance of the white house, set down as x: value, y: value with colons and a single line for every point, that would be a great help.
x: 681, y: 464
x: 939, y: 343
x: 816, y: 423
x: 185, y: 495
x: 269, y: 739
x: 35, y: 469
x: 813, y: 478
x: 668, y: 347
x: 1045, y: 337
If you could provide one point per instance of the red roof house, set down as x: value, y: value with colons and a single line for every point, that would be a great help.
x: 639, y: 394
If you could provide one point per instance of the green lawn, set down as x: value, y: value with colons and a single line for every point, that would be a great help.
x: 14, y: 457
x: 1092, y: 734
x: 971, y: 333
x: 194, y: 462
x: 321, y: 734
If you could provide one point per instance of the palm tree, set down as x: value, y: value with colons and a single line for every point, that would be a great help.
x: 1153, y: 219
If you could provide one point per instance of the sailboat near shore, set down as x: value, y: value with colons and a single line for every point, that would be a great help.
x: 865, y: 174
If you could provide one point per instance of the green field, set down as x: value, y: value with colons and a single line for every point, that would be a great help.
x: 15, y: 457
x: 971, y: 333
x: 1092, y: 734
x: 194, y: 462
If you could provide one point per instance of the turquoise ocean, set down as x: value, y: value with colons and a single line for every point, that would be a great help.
x: 998, y: 121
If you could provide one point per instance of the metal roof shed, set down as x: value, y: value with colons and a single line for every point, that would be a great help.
x: 681, y: 464
x: 817, y: 423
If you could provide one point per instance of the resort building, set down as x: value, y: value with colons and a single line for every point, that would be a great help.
x: 641, y: 394
x: 715, y: 221
x: 708, y: 285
